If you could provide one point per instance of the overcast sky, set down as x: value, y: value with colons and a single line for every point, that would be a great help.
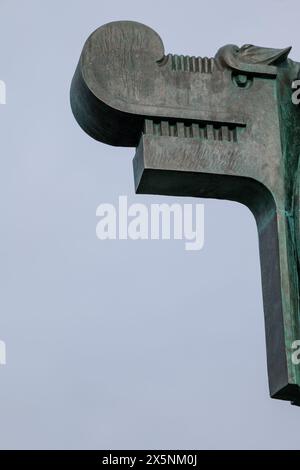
x: 123, y: 344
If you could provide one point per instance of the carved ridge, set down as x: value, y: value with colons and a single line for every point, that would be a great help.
x: 194, y: 130
x: 186, y: 63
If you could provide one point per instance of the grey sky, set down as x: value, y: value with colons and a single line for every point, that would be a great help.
x: 123, y: 344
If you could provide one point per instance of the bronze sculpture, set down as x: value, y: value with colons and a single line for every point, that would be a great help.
x: 222, y: 127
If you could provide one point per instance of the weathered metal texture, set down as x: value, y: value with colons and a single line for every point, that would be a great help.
x: 222, y: 127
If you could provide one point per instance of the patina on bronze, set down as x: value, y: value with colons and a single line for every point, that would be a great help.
x: 222, y: 127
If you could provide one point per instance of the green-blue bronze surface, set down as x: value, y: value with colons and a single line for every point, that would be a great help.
x: 222, y: 127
